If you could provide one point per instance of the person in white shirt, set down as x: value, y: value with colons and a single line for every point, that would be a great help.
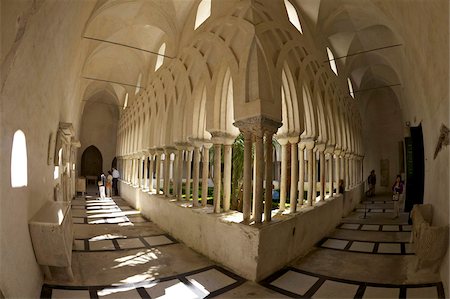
x: 115, y: 181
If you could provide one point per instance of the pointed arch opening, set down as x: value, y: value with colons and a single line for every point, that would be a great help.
x: 203, y: 13
x: 293, y: 15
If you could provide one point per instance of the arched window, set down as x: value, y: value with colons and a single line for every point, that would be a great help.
x: 125, y: 103
x: 160, y: 59
x: 203, y: 12
x: 293, y: 16
x: 332, y: 61
x: 19, y: 170
x: 138, y: 84
x: 350, y: 87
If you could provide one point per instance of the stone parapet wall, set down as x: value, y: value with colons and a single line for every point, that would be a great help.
x: 251, y: 251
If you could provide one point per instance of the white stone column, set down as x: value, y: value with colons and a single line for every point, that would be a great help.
x: 205, y: 173
x: 187, y: 189
x: 314, y: 182
x: 283, y: 183
x: 347, y: 171
x: 301, y: 172
x: 139, y: 174
x: 338, y: 169
x: 329, y: 152
x: 166, y: 172
x: 294, y: 174
x: 150, y: 174
x: 217, y: 176
x: 227, y: 155
x: 196, y: 176
x: 246, y: 205
x: 158, y: 171
x: 133, y: 172
x: 268, y: 177
x: 145, y: 182
x: 321, y: 150
x: 258, y: 196
x: 171, y: 173
x: 179, y: 173
x: 311, y: 164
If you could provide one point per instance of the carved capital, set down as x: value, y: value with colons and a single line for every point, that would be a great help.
x: 258, y: 125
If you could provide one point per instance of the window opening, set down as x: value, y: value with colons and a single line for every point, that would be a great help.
x: 203, y: 13
x: 293, y: 15
x: 332, y: 61
x: 160, y: 59
x: 19, y: 170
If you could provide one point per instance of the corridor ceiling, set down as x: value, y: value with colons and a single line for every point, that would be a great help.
x: 345, y: 26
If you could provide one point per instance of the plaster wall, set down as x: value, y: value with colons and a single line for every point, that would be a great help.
x: 253, y: 252
x: 424, y: 26
x: 38, y: 91
x: 382, y: 131
x: 99, y: 128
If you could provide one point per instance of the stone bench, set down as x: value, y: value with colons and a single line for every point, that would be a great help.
x: 430, y: 243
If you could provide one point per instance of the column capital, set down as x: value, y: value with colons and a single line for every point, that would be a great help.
x: 307, y: 143
x: 320, y: 147
x: 169, y: 149
x: 258, y: 125
x: 182, y: 145
x: 219, y: 137
x: 329, y: 149
x: 284, y: 139
x: 198, y: 142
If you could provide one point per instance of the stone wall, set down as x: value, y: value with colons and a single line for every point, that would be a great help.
x: 253, y: 252
x: 39, y: 75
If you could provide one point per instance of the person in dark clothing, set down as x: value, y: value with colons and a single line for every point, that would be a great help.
x: 371, y: 180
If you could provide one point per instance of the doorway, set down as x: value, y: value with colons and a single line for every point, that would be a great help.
x: 415, y: 168
x: 91, y: 162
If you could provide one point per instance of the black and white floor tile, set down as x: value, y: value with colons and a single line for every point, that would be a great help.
x: 207, y: 282
x: 114, y: 243
x: 297, y: 283
x: 104, y: 211
x: 372, y: 247
x: 376, y: 227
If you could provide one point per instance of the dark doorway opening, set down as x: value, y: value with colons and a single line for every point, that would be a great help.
x: 91, y: 162
x: 415, y: 168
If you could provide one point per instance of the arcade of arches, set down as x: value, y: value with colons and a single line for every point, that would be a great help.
x: 243, y: 132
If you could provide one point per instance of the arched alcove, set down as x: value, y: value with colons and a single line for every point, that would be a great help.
x: 91, y: 162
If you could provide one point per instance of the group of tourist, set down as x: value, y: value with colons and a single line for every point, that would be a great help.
x: 397, y: 190
x: 108, y: 184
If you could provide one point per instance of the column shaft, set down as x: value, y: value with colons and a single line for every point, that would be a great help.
x: 258, y: 196
x: 301, y: 171
x: 269, y: 180
x: 145, y: 182
x: 247, y: 192
x: 314, y: 181
x: 158, y: 173
x: 227, y: 176
x: 330, y: 175
x: 166, y: 173
x: 205, y: 172
x: 283, y: 183
x: 294, y: 177
x: 196, y: 176
x: 217, y: 176
x: 179, y: 174
x: 322, y: 174
x: 188, y: 174
x: 310, y: 156
x: 150, y: 177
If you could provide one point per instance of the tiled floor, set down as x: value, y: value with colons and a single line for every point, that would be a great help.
x: 297, y: 283
x: 114, y: 240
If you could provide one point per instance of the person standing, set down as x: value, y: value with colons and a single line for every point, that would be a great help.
x: 115, y: 181
x: 101, y: 186
x: 109, y: 180
x: 397, y: 189
x: 371, y: 180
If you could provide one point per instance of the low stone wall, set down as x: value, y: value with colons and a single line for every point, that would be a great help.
x: 254, y: 251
